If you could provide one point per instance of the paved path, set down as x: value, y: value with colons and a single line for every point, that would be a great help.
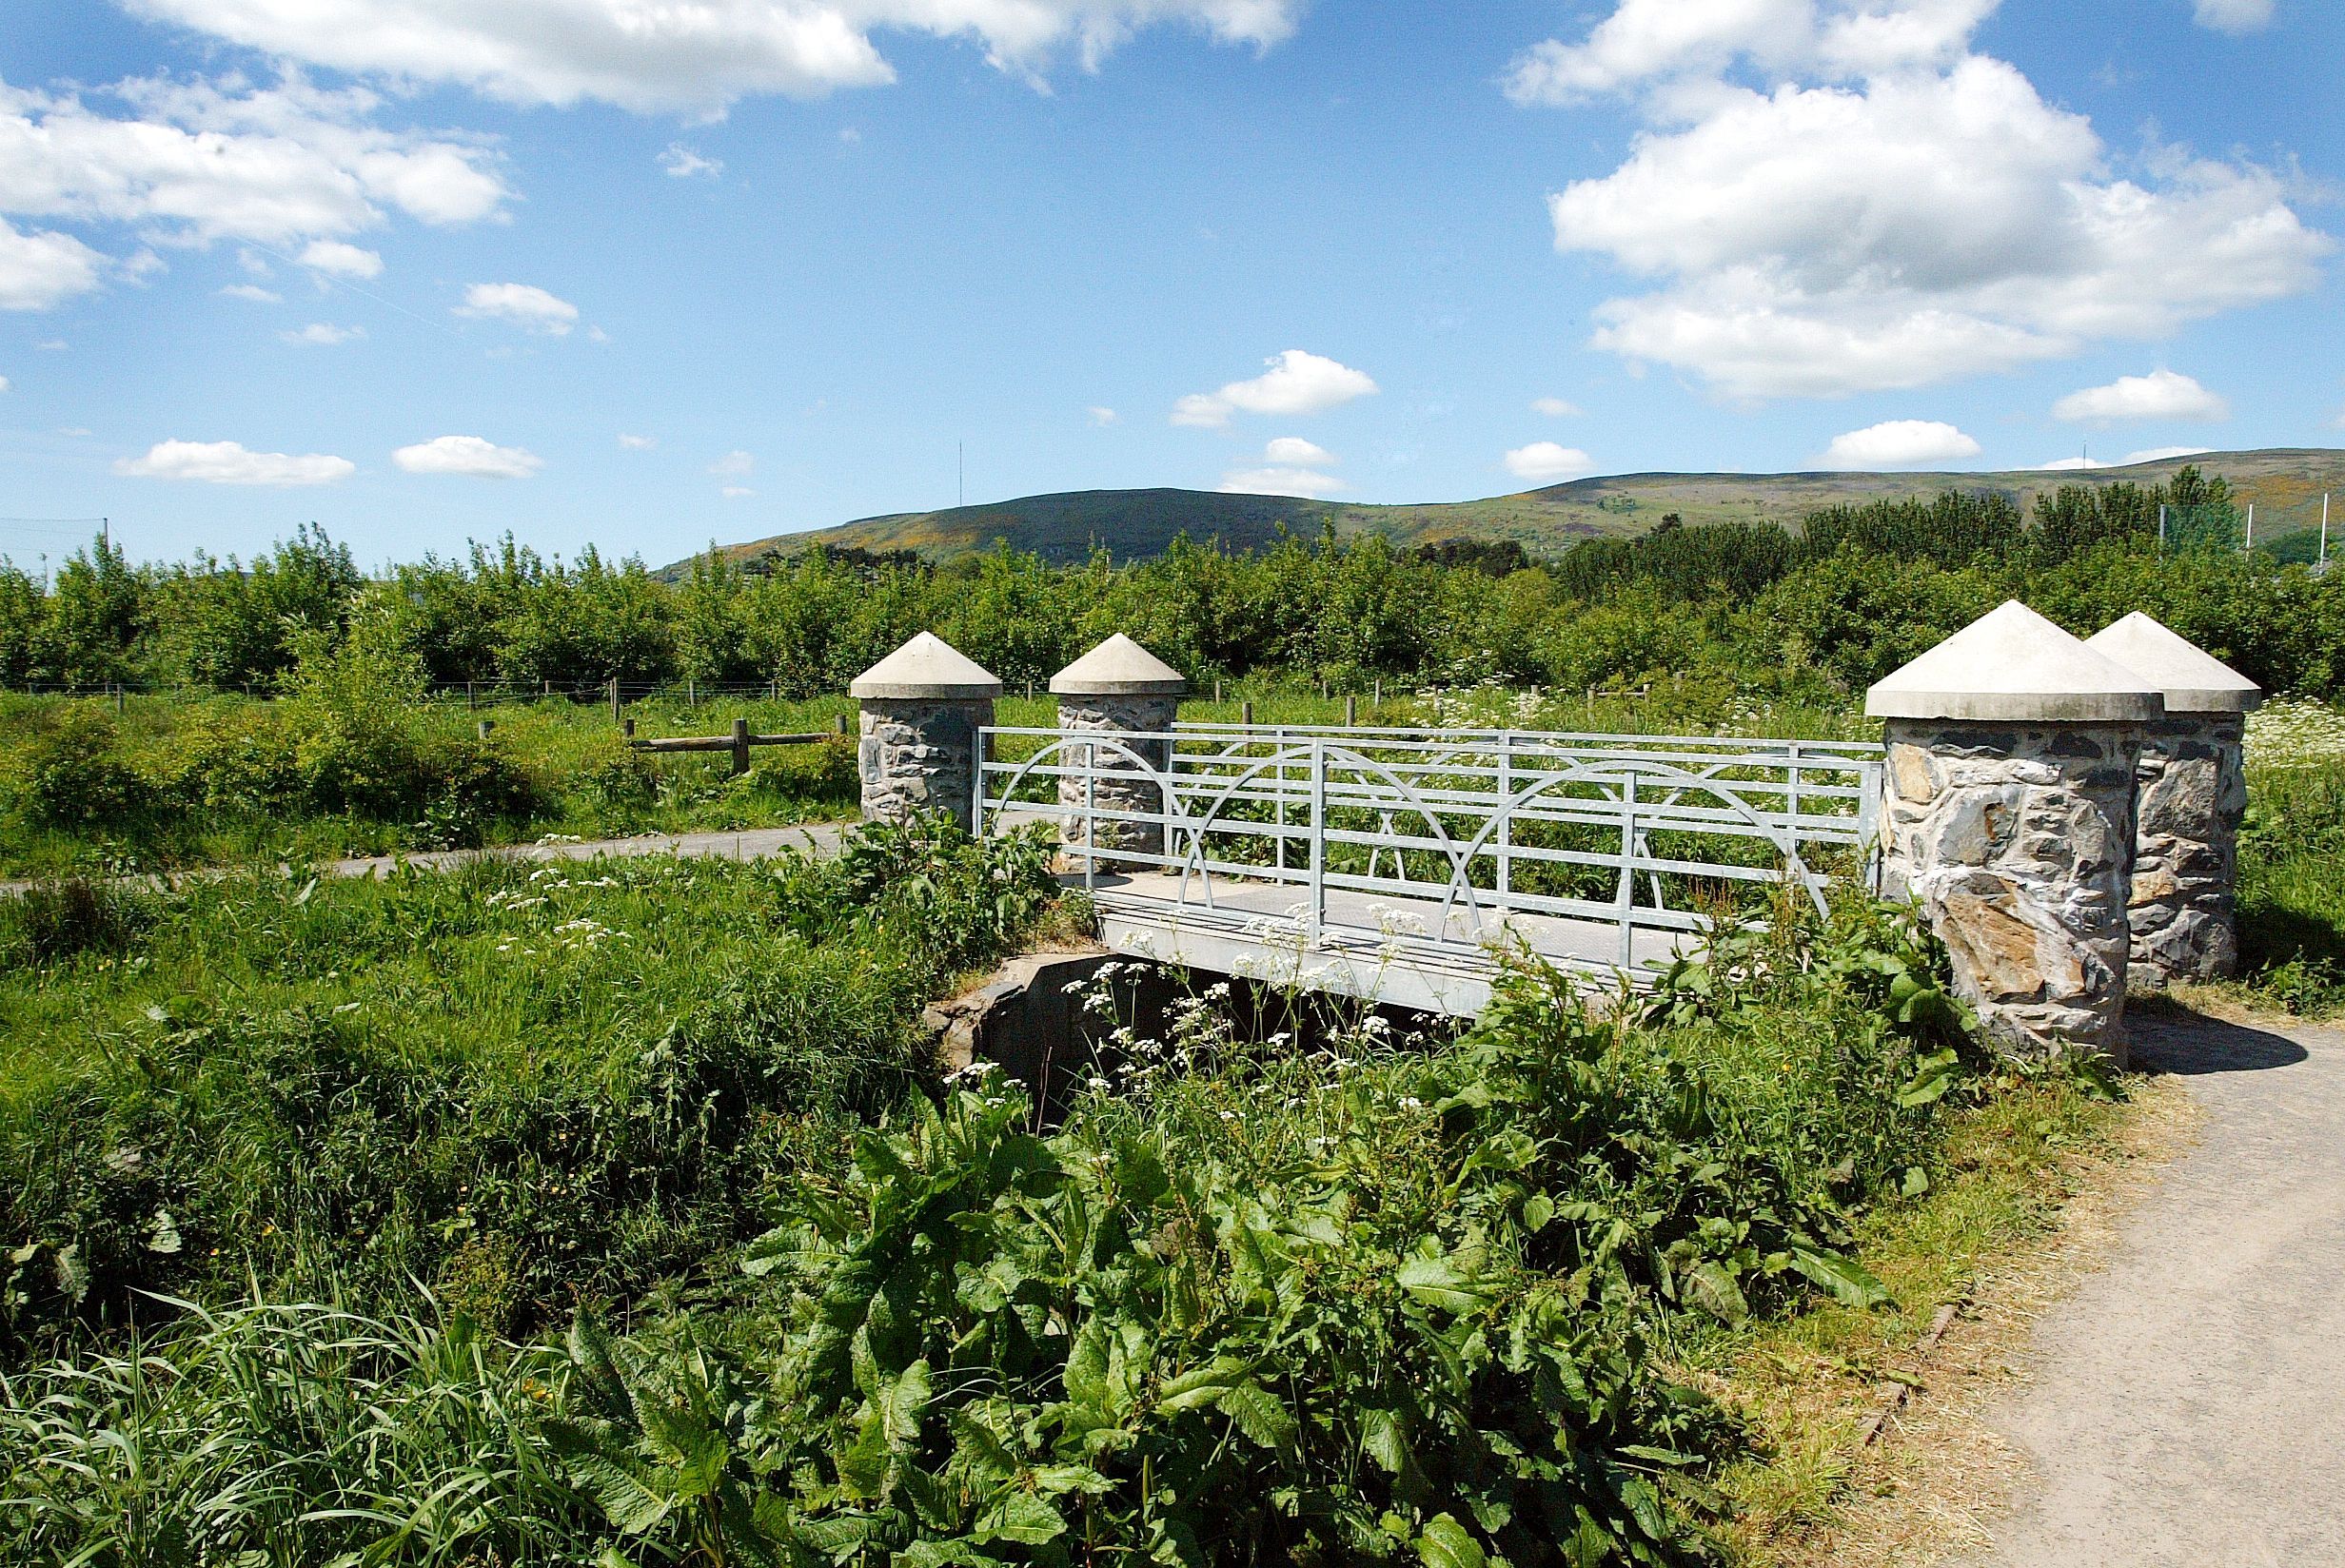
x: 2188, y: 1404
x: 746, y: 844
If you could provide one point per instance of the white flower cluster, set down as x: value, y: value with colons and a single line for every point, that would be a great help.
x: 2294, y: 733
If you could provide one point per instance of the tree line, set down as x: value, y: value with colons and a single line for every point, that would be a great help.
x: 1811, y: 612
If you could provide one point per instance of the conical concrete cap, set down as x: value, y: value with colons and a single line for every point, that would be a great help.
x: 2194, y: 680
x: 1119, y: 667
x: 2012, y: 666
x: 927, y: 666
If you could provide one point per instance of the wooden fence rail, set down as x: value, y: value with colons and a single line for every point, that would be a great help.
x: 738, y: 742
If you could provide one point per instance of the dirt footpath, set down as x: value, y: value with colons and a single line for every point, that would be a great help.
x: 2186, y: 1404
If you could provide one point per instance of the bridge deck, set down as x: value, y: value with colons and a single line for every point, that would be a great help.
x: 1401, y: 951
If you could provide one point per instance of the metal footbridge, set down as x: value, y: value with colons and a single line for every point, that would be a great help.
x: 1407, y: 866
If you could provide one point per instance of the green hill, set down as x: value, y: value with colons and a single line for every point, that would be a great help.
x: 2285, y: 485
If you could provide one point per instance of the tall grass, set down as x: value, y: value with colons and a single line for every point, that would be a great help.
x: 525, y: 1087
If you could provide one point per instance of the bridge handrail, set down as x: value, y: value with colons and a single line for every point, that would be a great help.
x: 1466, y: 791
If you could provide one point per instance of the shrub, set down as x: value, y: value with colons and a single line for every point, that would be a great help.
x: 75, y: 777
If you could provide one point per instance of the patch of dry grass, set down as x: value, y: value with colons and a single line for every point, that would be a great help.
x: 2023, y: 1205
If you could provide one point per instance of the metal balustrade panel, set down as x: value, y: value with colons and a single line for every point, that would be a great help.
x: 1487, y: 835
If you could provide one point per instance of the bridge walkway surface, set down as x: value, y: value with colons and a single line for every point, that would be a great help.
x: 1405, y: 951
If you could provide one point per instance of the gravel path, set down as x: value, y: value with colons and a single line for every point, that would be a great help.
x: 2187, y: 1405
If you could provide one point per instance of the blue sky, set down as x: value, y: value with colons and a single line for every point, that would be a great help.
x: 412, y: 268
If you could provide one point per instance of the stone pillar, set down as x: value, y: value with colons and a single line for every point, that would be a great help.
x: 1119, y: 688
x: 922, y: 707
x: 2191, y: 794
x: 2009, y: 820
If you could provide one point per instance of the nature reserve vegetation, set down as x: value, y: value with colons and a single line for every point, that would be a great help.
x: 619, y: 1211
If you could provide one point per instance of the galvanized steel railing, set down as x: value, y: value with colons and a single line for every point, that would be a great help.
x: 1642, y: 834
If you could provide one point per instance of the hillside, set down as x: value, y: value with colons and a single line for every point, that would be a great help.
x: 2285, y: 484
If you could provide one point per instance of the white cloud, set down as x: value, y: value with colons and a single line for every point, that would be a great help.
x: 227, y: 462
x: 2159, y: 395
x: 191, y: 161
x: 467, y: 455
x: 52, y: 345
x: 682, y: 163
x: 323, y: 334
x: 253, y: 292
x: 736, y: 492
x: 1892, y: 211
x: 44, y: 268
x: 1281, y: 482
x: 638, y: 444
x: 1546, y: 463
x: 1555, y: 408
x: 1101, y: 417
x: 696, y: 57
x: 2233, y: 16
x: 1295, y: 452
x: 2156, y: 453
x: 735, y: 464
x: 1900, y: 443
x: 341, y: 259
x: 523, y: 304
x: 4, y: 383
x: 1296, y: 382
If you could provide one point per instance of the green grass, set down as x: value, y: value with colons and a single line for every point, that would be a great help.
x: 230, y: 781
x: 2292, y: 861
x: 523, y: 1088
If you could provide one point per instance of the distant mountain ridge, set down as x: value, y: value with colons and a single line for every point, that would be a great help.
x: 2286, y: 484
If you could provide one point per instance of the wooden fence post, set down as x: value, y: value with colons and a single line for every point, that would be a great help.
x: 1246, y: 714
x: 626, y: 728
x: 842, y: 724
x: 472, y: 698
x: 691, y: 693
x: 1351, y: 710
x: 483, y: 727
x: 740, y: 747
x: 615, y: 700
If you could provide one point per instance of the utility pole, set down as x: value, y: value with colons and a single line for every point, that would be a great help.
x: 2161, y: 527
x: 961, y: 473
x: 2250, y: 527
x: 2324, y: 531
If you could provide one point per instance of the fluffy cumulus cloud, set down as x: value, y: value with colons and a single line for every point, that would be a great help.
x: 193, y: 162
x: 473, y: 456
x: 523, y: 306
x: 1101, y: 416
x: 227, y: 462
x: 682, y: 163
x: 1295, y: 383
x: 1546, y: 463
x: 2156, y: 453
x: 323, y: 335
x: 1555, y: 408
x: 341, y: 259
x: 691, y: 57
x: 189, y: 162
x: 2233, y: 16
x: 1295, y: 452
x: 45, y: 268
x: 1900, y: 443
x: 2159, y: 395
x: 1288, y: 466
x: 1834, y: 196
x: 1281, y: 482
